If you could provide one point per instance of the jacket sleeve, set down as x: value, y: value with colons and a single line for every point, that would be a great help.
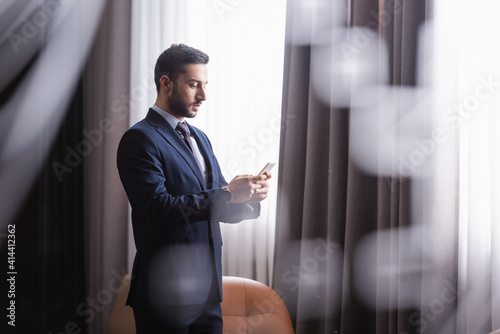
x: 239, y: 212
x: 142, y: 174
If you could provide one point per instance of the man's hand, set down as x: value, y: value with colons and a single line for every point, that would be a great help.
x: 260, y: 193
x: 249, y: 188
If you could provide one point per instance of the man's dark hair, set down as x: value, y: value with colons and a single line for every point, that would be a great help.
x: 173, y: 60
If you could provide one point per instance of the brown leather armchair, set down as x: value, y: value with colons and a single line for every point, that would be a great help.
x: 248, y: 307
x: 121, y: 320
x: 253, y: 307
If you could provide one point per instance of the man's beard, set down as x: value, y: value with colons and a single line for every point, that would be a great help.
x: 177, y: 107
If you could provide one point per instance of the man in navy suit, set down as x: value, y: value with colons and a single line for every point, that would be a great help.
x: 178, y: 197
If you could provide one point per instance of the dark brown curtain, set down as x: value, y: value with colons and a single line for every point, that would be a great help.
x: 71, y: 229
x: 48, y: 254
x: 326, y: 204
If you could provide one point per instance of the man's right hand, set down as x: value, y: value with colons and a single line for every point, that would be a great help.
x: 242, y: 187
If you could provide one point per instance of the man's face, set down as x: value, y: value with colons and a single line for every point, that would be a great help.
x: 188, y: 91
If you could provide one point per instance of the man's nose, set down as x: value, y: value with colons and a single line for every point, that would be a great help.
x: 201, y: 94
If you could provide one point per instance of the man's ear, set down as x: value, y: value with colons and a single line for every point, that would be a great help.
x: 166, y: 83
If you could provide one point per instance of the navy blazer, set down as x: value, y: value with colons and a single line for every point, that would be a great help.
x: 175, y: 215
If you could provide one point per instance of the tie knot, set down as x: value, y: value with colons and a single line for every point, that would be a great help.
x: 181, y: 127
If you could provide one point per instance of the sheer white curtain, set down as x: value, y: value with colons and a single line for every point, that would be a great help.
x: 468, y: 63
x: 245, y: 42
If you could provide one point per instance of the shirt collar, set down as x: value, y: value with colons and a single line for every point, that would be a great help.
x: 172, y: 120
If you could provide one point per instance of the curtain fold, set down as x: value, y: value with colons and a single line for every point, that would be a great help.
x: 106, y: 117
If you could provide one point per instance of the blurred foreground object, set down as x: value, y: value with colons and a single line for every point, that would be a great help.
x: 43, y: 49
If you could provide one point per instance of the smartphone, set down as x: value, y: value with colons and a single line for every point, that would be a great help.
x: 267, y: 167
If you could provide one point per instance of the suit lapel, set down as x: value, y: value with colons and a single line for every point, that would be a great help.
x: 173, y: 138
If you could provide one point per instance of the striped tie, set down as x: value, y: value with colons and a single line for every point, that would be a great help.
x: 182, y: 129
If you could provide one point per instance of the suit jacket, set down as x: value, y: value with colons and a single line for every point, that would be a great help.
x: 175, y: 215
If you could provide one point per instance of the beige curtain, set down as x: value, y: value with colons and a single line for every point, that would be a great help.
x: 106, y: 117
x: 467, y: 77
